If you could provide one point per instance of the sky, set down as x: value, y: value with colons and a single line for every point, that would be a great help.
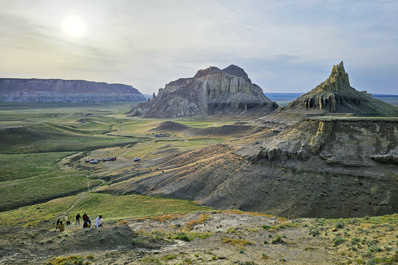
x: 284, y: 46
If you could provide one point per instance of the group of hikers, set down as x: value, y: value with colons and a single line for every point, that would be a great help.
x: 86, y: 222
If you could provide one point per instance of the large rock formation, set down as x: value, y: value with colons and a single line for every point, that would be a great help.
x: 335, y: 95
x: 318, y: 168
x: 210, y: 91
x: 57, y: 90
x: 333, y: 163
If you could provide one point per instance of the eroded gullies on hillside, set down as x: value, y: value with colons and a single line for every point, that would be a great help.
x: 312, y: 158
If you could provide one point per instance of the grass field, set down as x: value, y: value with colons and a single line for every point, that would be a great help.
x: 35, y: 137
x: 19, y: 166
x: 109, y: 206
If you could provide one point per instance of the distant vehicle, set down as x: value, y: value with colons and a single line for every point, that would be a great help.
x: 87, y: 160
x: 104, y: 159
x: 137, y: 159
x: 162, y: 135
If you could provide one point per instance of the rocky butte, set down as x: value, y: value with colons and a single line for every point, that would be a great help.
x: 210, y: 91
x: 326, y: 164
x: 335, y: 95
x: 58, y: 90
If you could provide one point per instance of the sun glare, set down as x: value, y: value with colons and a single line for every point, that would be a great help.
x: 73, y: 27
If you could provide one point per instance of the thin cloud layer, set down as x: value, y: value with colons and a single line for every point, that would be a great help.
x: 285, y: 46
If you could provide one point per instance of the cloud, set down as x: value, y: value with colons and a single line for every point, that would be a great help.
x: 283, y: 45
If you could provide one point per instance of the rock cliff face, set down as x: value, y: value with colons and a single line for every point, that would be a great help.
x: 318, y: 168
x: 210, y: 91
x: 335, y: 95
x: 57, y: 90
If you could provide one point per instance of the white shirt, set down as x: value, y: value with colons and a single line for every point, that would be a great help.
x: 98, y: 221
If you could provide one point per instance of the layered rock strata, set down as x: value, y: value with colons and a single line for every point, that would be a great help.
x: 318, y: 168
x: 57, y: 90
x: 210, y: 91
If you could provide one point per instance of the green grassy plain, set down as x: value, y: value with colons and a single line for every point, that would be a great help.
x: 109, y: 206
x: 19, y: 166
x: 38, y: 142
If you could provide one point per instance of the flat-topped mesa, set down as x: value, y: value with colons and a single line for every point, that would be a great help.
x: 210, y: 91
x: 335, y: 95
x: 58, y: 90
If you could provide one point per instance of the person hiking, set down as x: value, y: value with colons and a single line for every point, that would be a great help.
x: 61, y: 226
x: 78, y: 219
x: 85, y: 217
x: 67, y: 220
x: 56, y: 227
x: 98, y: 221
x: 87, y: 223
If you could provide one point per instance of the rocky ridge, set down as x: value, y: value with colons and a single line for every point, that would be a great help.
x: 210, y: 91
x: 58, y: 90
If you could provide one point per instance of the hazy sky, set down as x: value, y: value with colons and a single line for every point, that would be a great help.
x: 284, y: 46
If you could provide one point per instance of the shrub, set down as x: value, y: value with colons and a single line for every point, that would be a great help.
x: 375, y: 248
x: 276, y: 240
x: 339, y: 225
x: 183, y: 237
x: 133, y: 241
x: 314, y: 231
x: 355, y: 241
x: 169, y: 257
x: 65, y: 260
x: 367, y: 254
x: 338, y: 241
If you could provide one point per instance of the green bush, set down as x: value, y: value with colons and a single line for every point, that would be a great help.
x: 338, y: 241
x: 339, y: 225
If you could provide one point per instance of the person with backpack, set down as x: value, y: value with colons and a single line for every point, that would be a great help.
x: 85, y: 217
x: 87, y: 223
x: 78, y: 219
x: 61, y: 226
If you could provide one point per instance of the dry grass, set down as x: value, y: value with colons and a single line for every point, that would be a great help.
x: 191, y: 224
x: 166, y: 217
x: 234, y: 241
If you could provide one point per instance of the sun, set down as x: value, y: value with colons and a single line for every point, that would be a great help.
x: 73, y: 27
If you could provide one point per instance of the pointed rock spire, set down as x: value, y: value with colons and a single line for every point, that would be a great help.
x: 337, y: 81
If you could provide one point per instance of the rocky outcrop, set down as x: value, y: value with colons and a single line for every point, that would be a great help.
x: 335, y: 95
x: 210, y: 91
x: 57, y: 90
